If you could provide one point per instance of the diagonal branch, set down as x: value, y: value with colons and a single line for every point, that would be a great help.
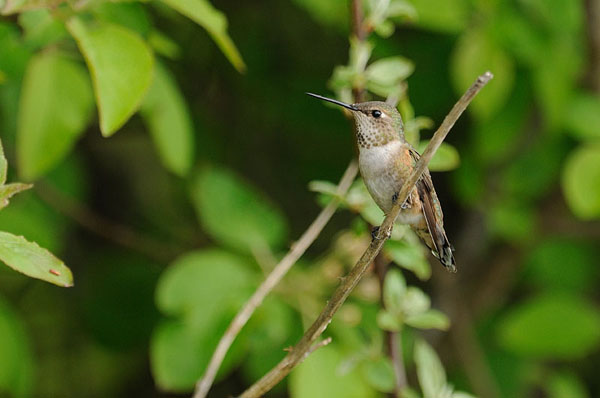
x: 302, y: 348
x: 236, y: 325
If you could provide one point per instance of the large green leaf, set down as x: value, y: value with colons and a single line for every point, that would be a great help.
x: 475, y: 53
x: 17, y: 364
x: 234, y: 212
x: 56, y: 102
x: 166, y: 113
x: 215, y: 23
x: 321, y: 376
x: 445, y: 158
x: 581, y: 181
x: 553, y: 326
x: 582, y: 117
x: 409, y: 255
x: 204, y: 289
x: 430, y: 371
x: 30, y: 259
x: 442, y: 15
x: 121, y: 65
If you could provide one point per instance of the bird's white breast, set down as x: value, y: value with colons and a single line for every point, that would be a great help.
x: 378, y: 168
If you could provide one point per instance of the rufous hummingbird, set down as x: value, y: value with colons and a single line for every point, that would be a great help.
x: 386, y: 160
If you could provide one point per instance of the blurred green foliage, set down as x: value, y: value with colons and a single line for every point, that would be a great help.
x: 168, y: 234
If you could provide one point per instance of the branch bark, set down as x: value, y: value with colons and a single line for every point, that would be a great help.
x: 203, y: 385
x: 302, y: 348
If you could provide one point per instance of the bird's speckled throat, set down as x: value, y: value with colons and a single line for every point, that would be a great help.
x: 372, y: 132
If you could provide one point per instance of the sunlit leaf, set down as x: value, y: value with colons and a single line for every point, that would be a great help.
x: 394, y: 290
x: 129, y: 14
x: 431, y: 373
x: 553, y: 326
x: 165, y: 111
x: 409, y: 256
x: 431, y: 319
x: 9, y: 190
x: 121, y: 65
x: 30, y: 259
x: 474, y: 54
x: 380, y: 374
x: 446, y: 157
x: 234, y: 212
x: 55, y: 107
x: 215, y: 23
x: 581, y: 181
x: 319, y: 376
x: 415, y: 301
x: 388, y: 321
x: 385, y: 74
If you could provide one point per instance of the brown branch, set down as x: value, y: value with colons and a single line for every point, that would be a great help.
x: 393, y: 350
x: 298, y: 352
x: 298, y: 248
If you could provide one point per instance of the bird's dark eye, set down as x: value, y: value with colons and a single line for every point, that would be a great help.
x: 376, y: 114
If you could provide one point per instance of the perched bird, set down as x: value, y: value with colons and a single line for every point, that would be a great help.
x: 385, y: 161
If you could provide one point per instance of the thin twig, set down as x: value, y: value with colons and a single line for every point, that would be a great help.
x: 392, y: 349
x: 112, y: 231
x: 275, y: 375
x: 298, y: 248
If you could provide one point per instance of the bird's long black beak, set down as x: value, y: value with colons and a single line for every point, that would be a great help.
x: 340, y: 103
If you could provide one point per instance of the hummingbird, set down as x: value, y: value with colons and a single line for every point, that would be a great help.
x: 385, y: 161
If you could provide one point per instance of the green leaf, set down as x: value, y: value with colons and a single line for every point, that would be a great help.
x: 566, y: 384
x: 581, y: 181
x: 552, y: 326
x: 234, y: 212
x: 204, y: 289
x: 31, y: 260
x: 582, y: 116
x: 215, y: 23
x: 380, y: 374
x: 384, y: 75
x: 445, y: 159
x: 55, y: 107
x: 330, y: 13
x: 561, y: 264
x: 388, y: 321
x: 130, y: 15
x: 449, y: 16
x: 165, y: 111
x: 474, y: 54
x: 409, y: 255
x: 9, y: 190
x: 17, y: 365
x: 555, y: 81
x: 121, y: 65
x: 430, y: 372
x: 221, y: 275
x: 415, y: 301
x: 431, y: 319
x: 394, y: 290
x: 3, y: 165
x: 41, y: 28
x: 320, y: 376
x: 513, y: 221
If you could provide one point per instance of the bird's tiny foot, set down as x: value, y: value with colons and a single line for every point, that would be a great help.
x: 405, y: 205
x: 395, y: 198
x: 374, y: 233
